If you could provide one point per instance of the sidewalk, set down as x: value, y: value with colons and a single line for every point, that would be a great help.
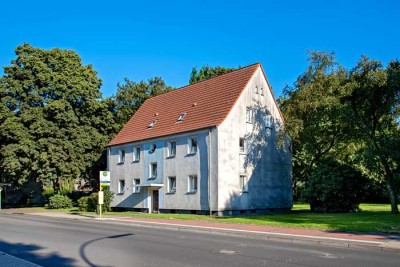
x: 374, y: 241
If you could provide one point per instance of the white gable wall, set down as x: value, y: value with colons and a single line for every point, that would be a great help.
x: 267, y: 168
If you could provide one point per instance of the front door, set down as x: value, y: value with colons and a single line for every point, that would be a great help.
x: 155, y: 201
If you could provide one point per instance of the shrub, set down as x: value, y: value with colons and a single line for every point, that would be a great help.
x: 90, y: 203
x: 334, y: 187
x: 47, y: 193
x: 60, y: 202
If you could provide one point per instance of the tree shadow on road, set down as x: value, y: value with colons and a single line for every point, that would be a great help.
x: 32, y: 253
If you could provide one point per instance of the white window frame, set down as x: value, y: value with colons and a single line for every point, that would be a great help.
x: 249, y: 115
x: 192, y: 149
x: 242, y: 140
x: 193, y: 183
x: 171, y: 186
x: 152, y: 172
x: 262, y: 90
x: 256, y: 89
x: 136, y: 189
x: 121, y: 186
x: 136, y: 154
x: 170, y: 146
x: 244, y: 184
x: 121, y: 156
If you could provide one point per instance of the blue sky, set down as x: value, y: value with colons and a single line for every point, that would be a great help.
x: 143, y: 39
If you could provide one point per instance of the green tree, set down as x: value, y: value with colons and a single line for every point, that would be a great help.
x: 207, y: 72
x: 131, y: 95
x: 374, y: 99
x: 53, y: 124
x: 313, y: 117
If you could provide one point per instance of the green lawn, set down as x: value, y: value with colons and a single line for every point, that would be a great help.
x: 373, y: 218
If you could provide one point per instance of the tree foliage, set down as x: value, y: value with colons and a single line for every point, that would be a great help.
x: 53, y: 124
x: 375, y: 100
x: 131, y: 95
x: 350, y: 117
x: 207, y: 72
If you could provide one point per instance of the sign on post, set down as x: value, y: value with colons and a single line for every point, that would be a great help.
x: 101, y: 197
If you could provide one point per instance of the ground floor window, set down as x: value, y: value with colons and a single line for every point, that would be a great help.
x: 121, y: 186
x: 171, y: 184
x: 243, y: 183
x: 136, y: 189
x: 192, y: 183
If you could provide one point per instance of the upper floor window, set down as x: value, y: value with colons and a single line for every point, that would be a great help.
x: 121, y: 186
x: 153, y: 170
x: 171, y: 149
x: 192, y: 183
x: 256, y: 90
x: 262, y: 90
x: 249, y: 115
x: 136, y: 189
x: 136, y: 153
x: 192, y: 145
x: 241, y: 144
x: 268, y: 121
x: 171, y: 184
x: 121, y: 156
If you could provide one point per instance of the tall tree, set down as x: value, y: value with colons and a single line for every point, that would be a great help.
x: 207, y: 72
x: 375, y: 100
x: 53, y: 124
x: 131, y: 95
x: 313, y: 114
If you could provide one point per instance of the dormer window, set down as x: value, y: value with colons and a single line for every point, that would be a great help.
x: 151, y: 125
x: 181, y: 117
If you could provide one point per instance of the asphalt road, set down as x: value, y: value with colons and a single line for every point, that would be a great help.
x: 64, y: 242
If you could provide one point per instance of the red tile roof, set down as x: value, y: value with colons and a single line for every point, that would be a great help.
x: 206, y: 104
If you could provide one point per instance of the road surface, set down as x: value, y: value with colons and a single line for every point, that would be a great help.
x: 64, y: 242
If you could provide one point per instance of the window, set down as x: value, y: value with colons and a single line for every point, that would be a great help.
x: 151, y: 125
x: 136, y: 189
x: 121, y: 156
x: 256, y: 90
x: 136, y: 153
x: 171, y: 149
x: 241, y: 144
x: 243, y: 183
x: 192, y: 184
x: 181, y: 117
x: 153, y: 170
x: 192, y: 146
x: 249, y: 115
x: 171, y: 184
x: 268, y: 121
x: 262, y: 91
x: 121, y: 186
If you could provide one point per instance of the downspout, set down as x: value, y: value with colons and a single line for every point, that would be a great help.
x: 209, y: 171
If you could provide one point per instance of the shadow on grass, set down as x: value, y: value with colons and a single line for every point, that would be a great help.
x: 30, y: 252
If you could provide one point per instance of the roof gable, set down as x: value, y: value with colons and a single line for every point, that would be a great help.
x: 206, y: 104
